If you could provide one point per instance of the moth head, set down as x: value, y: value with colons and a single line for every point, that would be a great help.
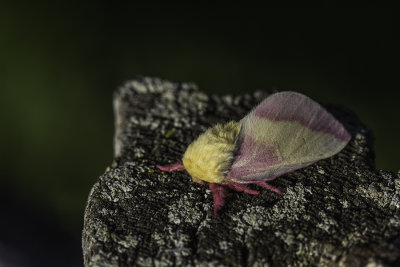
x: 209, y: 157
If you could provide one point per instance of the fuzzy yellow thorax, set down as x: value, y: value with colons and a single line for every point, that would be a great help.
x: 209, y: 157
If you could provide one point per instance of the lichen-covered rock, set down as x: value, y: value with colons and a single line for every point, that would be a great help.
x: 338, y: 211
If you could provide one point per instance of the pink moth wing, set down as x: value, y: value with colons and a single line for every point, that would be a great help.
x: 285, y: 132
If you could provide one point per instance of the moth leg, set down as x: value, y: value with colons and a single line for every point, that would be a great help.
x: 268, y: 186
x: 241, y: 188
x: 172, y: 167
x: 219, y: 192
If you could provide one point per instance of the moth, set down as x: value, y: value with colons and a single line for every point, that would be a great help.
x: 285, y: 132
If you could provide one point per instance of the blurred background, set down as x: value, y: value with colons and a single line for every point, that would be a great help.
x: 61, y: 62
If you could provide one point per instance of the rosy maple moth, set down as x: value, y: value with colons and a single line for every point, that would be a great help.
x: 285, y: 132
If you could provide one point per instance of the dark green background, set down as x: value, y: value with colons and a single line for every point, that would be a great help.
x: 60, y: 63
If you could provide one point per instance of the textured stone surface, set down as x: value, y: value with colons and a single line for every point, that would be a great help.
x: 338, y: 211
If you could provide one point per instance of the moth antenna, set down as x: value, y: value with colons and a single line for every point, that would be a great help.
x: 172, y: 167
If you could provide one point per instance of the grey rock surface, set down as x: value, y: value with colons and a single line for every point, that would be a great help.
x: 337, y: 212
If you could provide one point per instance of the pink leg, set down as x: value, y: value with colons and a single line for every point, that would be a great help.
x: 172, y: 167
x: 270, y: 187
x: 219, y: 193
x: 241, y: 188
x: 220, y: 190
